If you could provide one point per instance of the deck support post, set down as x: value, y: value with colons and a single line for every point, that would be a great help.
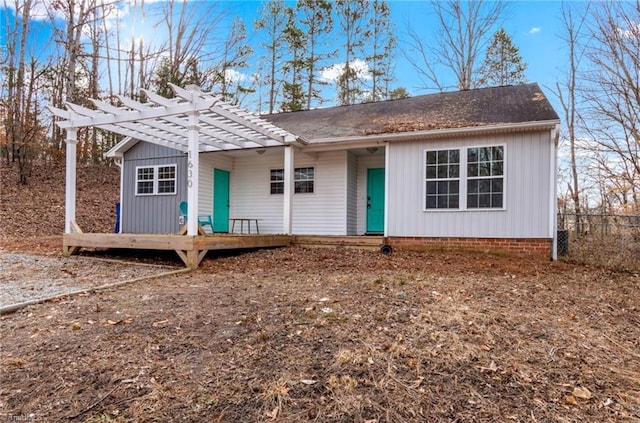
x: 192, y: 259
x: 70, y: 188
x: 287, y: 220
x: 193, y: 166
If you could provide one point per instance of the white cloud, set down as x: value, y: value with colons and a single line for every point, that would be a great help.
x: 333, y: 72
x: 233, y: 76
x: 535, y: 30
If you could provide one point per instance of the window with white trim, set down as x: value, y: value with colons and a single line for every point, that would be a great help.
x: 468, y: 178
x: 485, y: 177
x: 303, y: 180
x: 443, y: 179
x: 156, y: 180
x: 277, y: 181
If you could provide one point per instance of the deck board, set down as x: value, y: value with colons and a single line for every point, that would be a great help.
x: 191, y: 249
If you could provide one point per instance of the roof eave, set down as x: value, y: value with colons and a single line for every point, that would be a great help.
x: 365, y: 140
x: 120, y: 148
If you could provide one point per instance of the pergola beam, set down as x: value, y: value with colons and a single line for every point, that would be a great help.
x: 133, y: 115
x: 184, y: 122
x: 245, y: 120
x: 166, y: 121
x: 172, y: 126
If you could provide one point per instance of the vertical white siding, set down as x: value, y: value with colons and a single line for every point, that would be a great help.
x: 322, y: 212
x: 325, y: 211
x: 527, y: 173
x: 250, y: 189
x: 352, y: 194
x: 369, y: 161
x: 208, y: 162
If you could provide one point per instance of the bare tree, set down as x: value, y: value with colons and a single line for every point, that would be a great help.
x: 462, y: 33
x: 612, y: 88
x: 236, y: 51
x: 20, y: 122
x: 190, y: 45
x: 566, y: 92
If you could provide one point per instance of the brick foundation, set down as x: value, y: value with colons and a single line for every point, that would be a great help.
x: 537, y: 247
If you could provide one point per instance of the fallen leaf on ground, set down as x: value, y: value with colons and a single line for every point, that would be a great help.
x: 117, y: 322
x: 416, y: 383
x: 570, y: 399
x: 273, y: 414
x: 582, y: 393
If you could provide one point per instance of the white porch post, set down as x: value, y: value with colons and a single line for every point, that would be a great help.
x: 70, y: 188
x: 288, y: 191
x: 386, y: 190
x: 193, y: 164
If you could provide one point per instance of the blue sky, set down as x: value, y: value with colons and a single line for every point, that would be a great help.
x: 535, y: 27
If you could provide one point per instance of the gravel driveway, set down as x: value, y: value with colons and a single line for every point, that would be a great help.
x: 26, y: 278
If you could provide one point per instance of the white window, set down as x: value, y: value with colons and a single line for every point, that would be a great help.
x: 277, y: 181
x: 303, y: 180
x: 465, y: 179
x: 443, y: 179
x: 485, y: 177
x: 156, y: 180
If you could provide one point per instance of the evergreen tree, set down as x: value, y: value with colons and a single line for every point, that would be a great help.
x: 315, y: 18
x: 398, y: 93
x: 272, y: 22
x: 352, y: 16
x: 502, y: 64
x: 293, y: 93
x: 382, y: 45
x: 185, y: 75
x: 234, y: 57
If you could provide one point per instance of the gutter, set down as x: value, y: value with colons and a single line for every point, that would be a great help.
x: 553, y: 206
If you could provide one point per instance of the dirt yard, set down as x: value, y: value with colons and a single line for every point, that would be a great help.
x: 292, y: 335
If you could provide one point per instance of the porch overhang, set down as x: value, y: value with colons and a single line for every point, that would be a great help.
x: 192, y: 122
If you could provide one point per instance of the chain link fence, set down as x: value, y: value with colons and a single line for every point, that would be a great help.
x: 611, y: 240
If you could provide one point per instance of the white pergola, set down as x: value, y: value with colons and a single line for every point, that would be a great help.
x: 192, y: 122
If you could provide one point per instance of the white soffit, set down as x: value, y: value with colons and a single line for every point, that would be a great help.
x: 165, y: 122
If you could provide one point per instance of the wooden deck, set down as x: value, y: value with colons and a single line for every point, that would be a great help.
x: 192, y: 249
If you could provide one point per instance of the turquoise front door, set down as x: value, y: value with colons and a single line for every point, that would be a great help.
x: 220, y: 200
x: 375, y: 200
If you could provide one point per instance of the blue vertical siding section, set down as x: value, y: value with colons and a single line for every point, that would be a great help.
x: 158, y: 214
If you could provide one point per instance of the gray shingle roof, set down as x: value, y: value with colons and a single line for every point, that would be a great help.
x: 479, y: 107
